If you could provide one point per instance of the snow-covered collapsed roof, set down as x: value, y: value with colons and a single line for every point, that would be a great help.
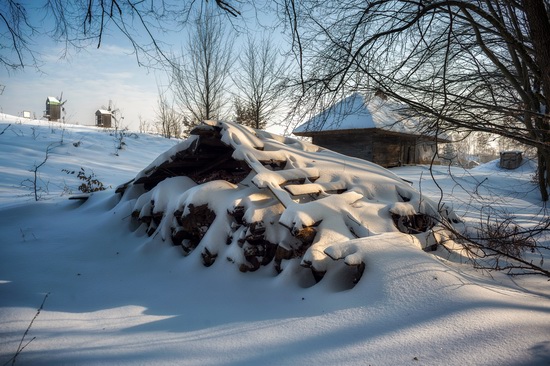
x: 355, y: 113
x: 260, y: 199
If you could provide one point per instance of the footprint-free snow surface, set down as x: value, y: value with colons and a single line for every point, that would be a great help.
x: 116, y: 290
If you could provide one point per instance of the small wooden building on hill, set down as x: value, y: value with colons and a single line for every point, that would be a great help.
x: 376, y: 131
x: 103, y: 118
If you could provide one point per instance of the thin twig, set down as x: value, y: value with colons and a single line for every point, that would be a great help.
x: 21, y: 347
x: 4, y: 130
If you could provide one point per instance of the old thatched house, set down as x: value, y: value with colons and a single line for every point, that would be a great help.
x: 53, y: 109
x: 103, y: 118
x: 376, y: 131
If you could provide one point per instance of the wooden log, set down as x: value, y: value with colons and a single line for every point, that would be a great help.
x: 412, y: 224
x: 238, y: 214
x: 192, y: 226
x: 306, y: 235
x: 282, y: 254
x: 206, y: 130
x: 208, y: 258
x: 81, y: 197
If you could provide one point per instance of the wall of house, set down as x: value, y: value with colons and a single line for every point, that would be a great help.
x: 387, y: 150
x: 357, y: 145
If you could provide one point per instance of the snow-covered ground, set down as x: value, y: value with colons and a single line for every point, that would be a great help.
x: 117, y: 296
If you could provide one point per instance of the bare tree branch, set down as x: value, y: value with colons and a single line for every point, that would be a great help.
x: 78, y: 24
x: 462, y: 65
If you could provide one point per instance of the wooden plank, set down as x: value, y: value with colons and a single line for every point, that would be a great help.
x: 81, y: 197
x: 316, y: 188
x: 280, y: 177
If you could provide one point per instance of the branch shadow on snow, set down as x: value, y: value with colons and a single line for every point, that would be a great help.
x: 99, y: 274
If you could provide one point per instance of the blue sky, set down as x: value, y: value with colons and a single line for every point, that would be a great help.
x: 88, y: 78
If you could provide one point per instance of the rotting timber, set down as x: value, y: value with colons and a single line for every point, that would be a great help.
x: 208, y: 158
x: 282, y: 205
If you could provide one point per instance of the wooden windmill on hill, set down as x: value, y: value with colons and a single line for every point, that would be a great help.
x: 54, y: 107
x: 104, y: 116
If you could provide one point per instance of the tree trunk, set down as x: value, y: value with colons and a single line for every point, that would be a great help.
x: 539, y: 29
x: 543, y: 172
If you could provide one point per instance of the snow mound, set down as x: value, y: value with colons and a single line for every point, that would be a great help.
x: 527, y: 166
x: 262, y: 200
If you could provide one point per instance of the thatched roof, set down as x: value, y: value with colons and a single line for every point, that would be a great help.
x: 356, y: 114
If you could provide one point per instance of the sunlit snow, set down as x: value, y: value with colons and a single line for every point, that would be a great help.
x: 118, y: 296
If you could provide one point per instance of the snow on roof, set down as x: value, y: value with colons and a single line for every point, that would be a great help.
x: 103, y: 111
x: 274, y: 198
x: 53, y: 100
x: 354, y: 112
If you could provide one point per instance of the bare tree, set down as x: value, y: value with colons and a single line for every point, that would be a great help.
x: 260, y: 79
x: 481, y: 66
x: 168, y: 121
x: 143, y: 124
x: 244, y: 113
x: 200, y: 76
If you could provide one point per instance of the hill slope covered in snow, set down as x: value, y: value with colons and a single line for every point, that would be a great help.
x: 114, y: 295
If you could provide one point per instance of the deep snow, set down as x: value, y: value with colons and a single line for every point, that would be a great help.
x: 117, y: 296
